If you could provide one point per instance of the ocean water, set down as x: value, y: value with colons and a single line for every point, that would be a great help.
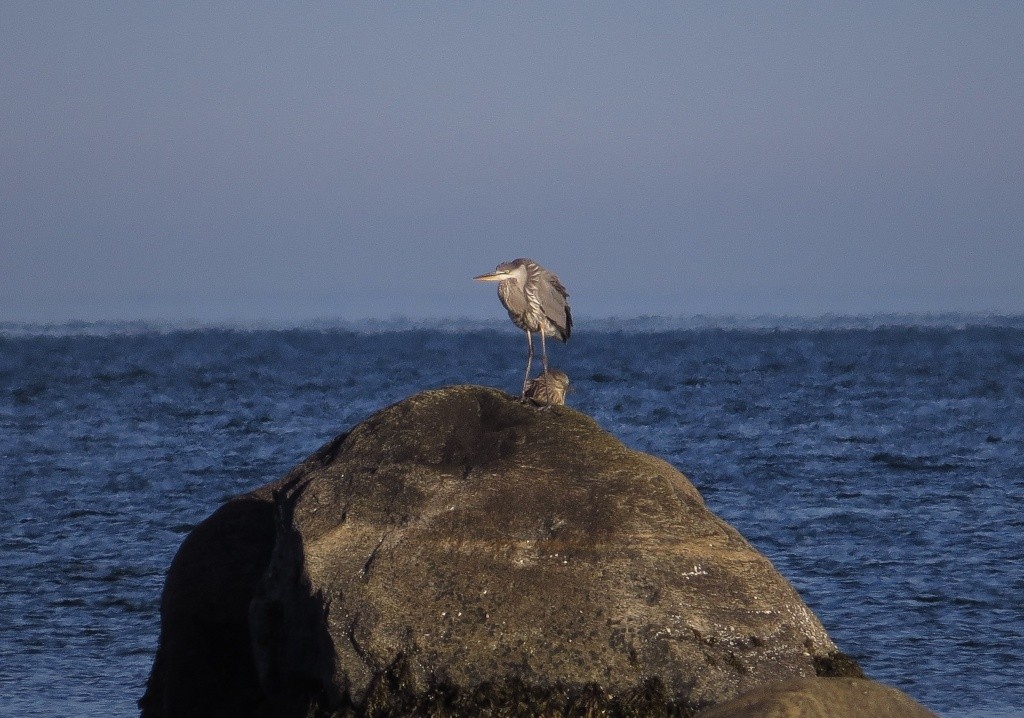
x: 879, y: 463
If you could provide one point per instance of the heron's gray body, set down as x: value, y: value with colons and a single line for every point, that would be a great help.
x: 536, y: 301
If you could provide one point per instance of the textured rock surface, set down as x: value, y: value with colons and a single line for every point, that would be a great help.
x: 821, y: 698
x: 460, y: 551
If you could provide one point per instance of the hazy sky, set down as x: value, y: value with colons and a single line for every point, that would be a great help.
x: 250, y: 161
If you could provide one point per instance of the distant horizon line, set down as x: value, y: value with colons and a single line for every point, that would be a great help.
x: 635, y: 323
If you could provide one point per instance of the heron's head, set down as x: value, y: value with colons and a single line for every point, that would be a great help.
x: 505, y: 270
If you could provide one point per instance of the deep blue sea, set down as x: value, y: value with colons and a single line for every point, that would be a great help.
x: 878, y: 461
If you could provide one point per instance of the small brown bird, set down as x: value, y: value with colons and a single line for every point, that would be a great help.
x: 548, y: 389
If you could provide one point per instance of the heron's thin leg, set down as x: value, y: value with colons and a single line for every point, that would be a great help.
x: 529, y: 362
x: 543, y: 353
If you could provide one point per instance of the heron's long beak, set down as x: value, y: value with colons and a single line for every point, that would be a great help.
x: 492, y: 277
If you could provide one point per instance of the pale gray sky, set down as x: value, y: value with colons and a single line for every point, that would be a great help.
x: 223, y: 161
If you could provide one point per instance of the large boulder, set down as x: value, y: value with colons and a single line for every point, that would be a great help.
x: 461, y: 552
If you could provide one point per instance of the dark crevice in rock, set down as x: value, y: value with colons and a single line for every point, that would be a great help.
x: 350, y: 632
x: 368, y: 564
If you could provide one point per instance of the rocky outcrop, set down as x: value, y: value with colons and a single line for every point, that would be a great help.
x: 460, y: 552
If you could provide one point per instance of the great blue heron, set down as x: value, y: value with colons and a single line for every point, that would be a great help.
x: 549, y: 388
x: 536, y: 302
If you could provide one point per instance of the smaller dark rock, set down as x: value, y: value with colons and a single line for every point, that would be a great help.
x: 821, y: 698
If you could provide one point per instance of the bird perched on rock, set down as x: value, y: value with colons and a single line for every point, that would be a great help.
x: 536, y: 302
x: 548, y: 389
